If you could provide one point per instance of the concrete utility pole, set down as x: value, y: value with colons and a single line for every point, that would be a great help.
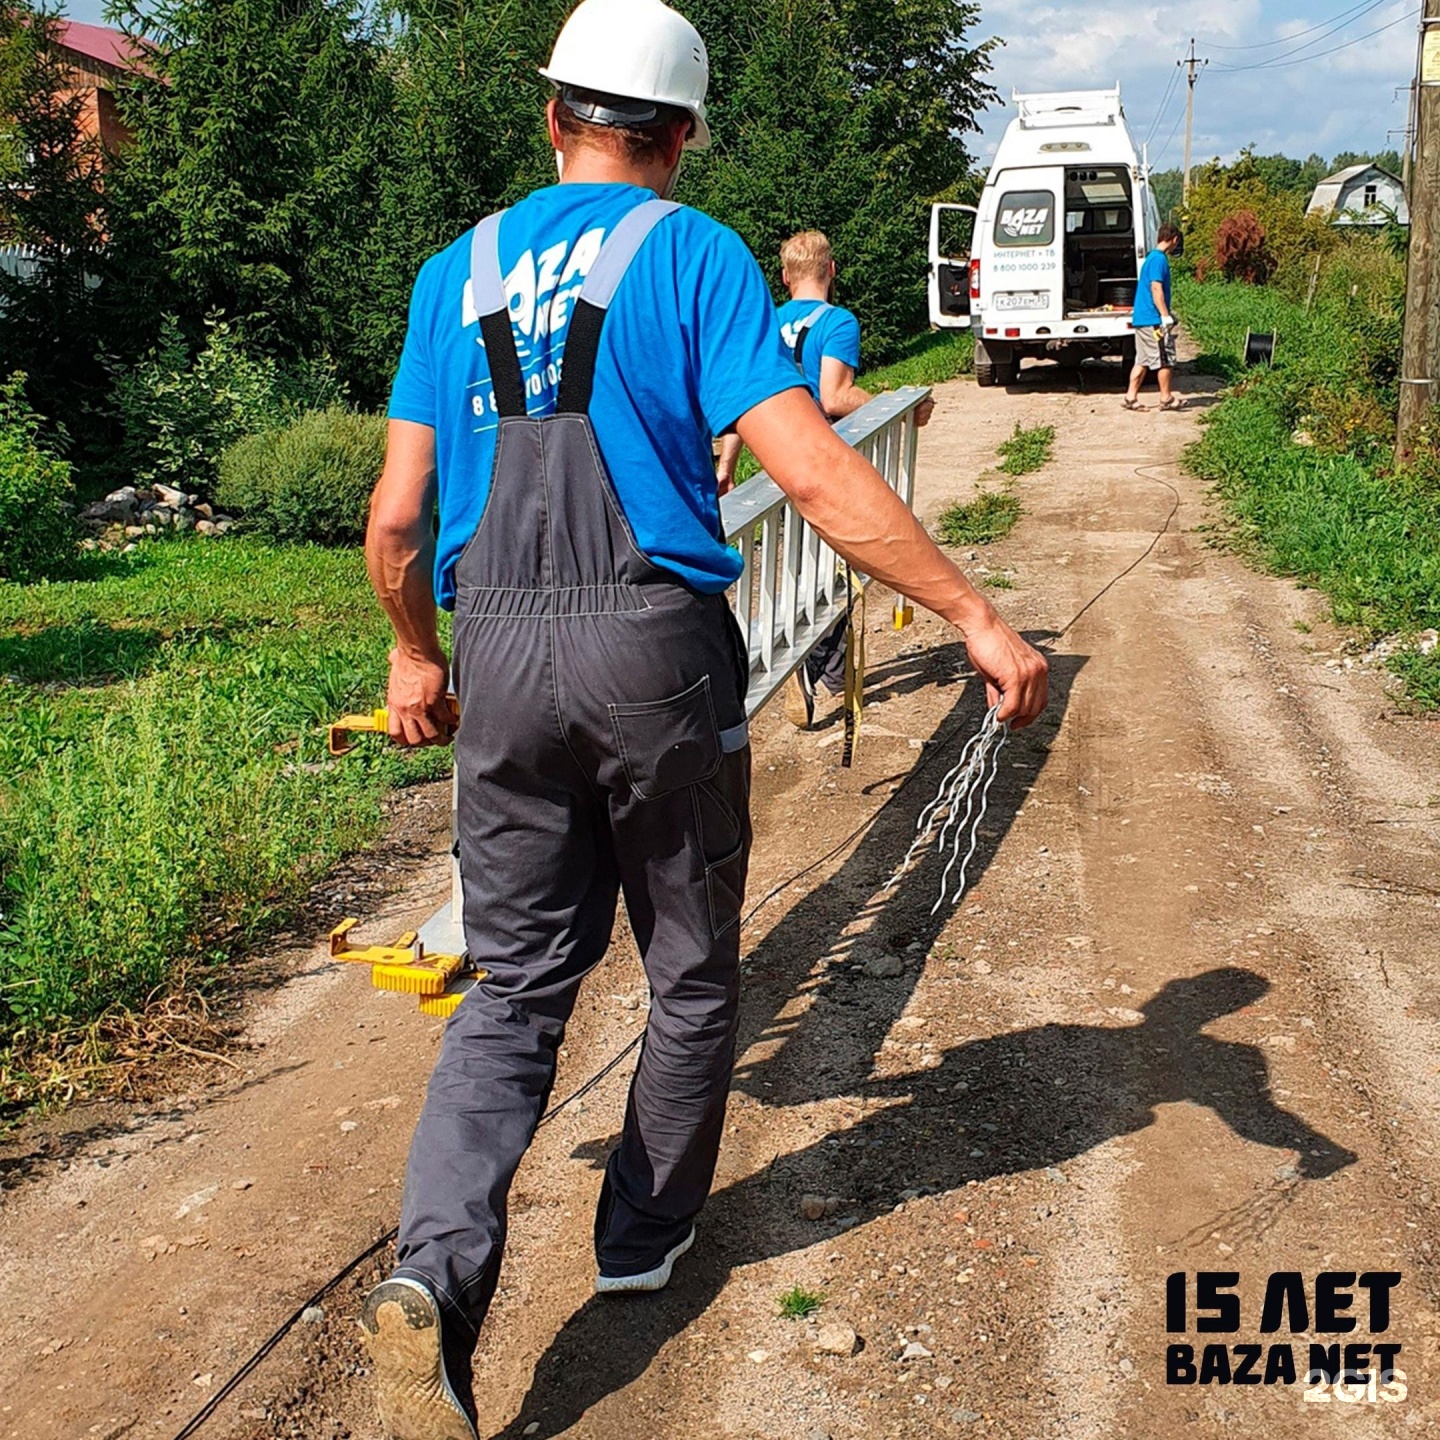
x: 1418, y: 393
x: 1194, y: 65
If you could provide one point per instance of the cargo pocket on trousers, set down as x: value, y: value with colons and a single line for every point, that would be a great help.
x: 722, y: 831
x: 725, y: 889
x: 666, y: 745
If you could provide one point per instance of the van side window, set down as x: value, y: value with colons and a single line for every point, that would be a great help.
x: 1025, y: 217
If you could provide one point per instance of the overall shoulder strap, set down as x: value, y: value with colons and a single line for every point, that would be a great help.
x: 487, y: 294
x: 582, y: 344
x: 802, y: 329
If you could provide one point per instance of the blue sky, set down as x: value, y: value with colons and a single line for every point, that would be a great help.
x: 1302, y: 100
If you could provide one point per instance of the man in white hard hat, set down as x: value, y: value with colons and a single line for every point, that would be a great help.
x: 602, y: 743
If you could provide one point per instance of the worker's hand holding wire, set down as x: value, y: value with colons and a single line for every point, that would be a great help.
x: 421, y: 709
x: 1016, y: 675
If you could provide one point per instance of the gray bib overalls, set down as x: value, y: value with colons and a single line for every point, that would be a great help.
x: 602, y: 747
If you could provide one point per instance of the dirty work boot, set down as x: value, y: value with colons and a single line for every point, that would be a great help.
x: 422, y: 1386
x: 647, y: 1280
x: 800, y: 699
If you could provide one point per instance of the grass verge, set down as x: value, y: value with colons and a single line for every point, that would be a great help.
x: 1339, y: 519
x: 163, y: 778
x: 929, y: 359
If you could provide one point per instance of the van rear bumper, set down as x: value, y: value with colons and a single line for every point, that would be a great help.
x: 1082, y: 328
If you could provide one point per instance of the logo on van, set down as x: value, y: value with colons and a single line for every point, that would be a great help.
x: 1025, y: 221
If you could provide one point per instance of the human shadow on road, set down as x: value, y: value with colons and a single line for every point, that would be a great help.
x: 822, y: 943
x: 1049, y: 1094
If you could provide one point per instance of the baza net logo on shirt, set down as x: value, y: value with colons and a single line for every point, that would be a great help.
x: 541, y: 291
x: 1025, y: 221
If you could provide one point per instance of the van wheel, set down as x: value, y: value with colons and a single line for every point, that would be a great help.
x: 1127, y: 355
x: 1008, y: 373
x: 985, y: 376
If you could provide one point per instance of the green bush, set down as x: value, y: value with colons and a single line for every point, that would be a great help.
x: 181, y: 412
x: 37, y: 525
x: 310, y: 481
x: 1291, y: 238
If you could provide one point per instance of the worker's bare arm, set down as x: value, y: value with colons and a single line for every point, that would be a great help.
x: 399, y: 553
x: 1157, y: 293
x: 845, y: 499
x: 730, y: 448
x: 839, y: 394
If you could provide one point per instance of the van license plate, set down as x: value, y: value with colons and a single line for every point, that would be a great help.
x: 1023, y: 300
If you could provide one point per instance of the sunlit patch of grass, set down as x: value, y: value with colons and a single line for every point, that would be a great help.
x: 798, y: 1303
x: 990, y: 516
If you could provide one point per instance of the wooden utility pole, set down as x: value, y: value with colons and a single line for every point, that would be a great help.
x: 1418, y: 392
x: 1409, y: 140
x: 1194, y: 65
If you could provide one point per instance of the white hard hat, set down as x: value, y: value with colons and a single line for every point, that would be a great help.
x: 638, y: 50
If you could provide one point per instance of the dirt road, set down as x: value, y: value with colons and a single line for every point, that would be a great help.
x: 1185, y: 1021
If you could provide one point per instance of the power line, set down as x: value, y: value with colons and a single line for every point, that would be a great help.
x: 1170, y: 140
x: 1164, y: 106
x: 1282, y: 62
x: 1286, y: 39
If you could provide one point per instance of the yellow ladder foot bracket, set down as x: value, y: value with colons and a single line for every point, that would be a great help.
x: 440, y: 981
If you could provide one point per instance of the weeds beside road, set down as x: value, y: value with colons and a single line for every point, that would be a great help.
x: 163, y: 777
x: 1300, y: 456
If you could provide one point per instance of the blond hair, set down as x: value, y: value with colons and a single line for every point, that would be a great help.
x: 807, y: 256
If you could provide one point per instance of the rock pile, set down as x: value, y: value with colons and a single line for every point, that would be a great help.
x: 127, y: 515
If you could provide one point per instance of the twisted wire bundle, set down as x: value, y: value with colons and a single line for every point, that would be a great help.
x: 959, y: 806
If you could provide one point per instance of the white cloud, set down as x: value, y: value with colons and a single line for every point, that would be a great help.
x: 1332, y: 102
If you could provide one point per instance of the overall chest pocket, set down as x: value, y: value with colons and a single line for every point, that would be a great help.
x: 666, y: 745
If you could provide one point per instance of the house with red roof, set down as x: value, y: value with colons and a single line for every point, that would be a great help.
x: 99, y: 59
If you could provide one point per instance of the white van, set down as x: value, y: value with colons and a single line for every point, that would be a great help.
x: 1046, y: 264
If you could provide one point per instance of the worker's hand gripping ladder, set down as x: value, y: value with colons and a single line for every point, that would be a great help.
x: 792, y: 589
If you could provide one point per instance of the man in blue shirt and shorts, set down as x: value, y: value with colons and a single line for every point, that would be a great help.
x: 567, y: 366
x: 1153, y: 322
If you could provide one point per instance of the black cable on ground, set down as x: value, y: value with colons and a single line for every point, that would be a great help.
x: 262, y: 1352
x: 278, y: 1334
x: 1139, y: 559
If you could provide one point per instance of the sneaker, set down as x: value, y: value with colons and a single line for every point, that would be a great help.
x: 413, y: 1384
x: 800, y: 699
x: 656, y: 1279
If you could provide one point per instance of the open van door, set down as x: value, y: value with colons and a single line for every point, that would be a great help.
x: 952, y: 232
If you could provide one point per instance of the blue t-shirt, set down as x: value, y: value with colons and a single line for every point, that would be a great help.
x: 688, y: 346
x: 836, y: 334
x: 1156, y: 267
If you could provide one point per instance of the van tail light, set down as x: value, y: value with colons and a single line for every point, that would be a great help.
x: 974, y: 280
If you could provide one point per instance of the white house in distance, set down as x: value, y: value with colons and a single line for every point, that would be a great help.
x: 1360, y: 195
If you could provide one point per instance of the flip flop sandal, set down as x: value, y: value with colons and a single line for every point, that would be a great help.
x: 1173, y: 404
x: 1130, y: 404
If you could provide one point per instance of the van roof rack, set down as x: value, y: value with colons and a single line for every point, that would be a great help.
x: 1069, y: 107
